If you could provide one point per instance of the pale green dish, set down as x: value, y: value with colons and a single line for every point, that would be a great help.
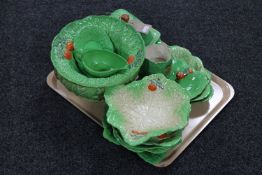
x: 172, y: 141
x: 113, y: 135
x: 173, y: 101
x: 128, y: 42
x: 155, y: 149
x: 151, y: 152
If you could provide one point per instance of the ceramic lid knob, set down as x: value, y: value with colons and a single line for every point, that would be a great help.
x: 125, y: 17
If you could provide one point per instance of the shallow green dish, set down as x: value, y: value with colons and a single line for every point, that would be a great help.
x: 169, y: 142
x: 204, y: 94
x: 181, y: 53
x: 194, y: 83
x: 134, y: 102
x: 140, y: 148
x: 102, y: 63
x: 126, y: 43
x: 151, y: 157
x: 113, y: 135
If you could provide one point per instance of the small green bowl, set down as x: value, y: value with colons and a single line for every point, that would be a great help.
x: 102, y: 63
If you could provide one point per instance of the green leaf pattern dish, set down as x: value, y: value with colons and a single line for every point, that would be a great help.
x: 134, y: 107
x: 130, y: 105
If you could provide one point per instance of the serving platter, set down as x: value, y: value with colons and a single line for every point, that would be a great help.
x: 201, y: 115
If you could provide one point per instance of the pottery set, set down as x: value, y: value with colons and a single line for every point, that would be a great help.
x: 147, y: 85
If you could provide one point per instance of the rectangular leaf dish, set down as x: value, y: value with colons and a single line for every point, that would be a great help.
x: 201, y: 115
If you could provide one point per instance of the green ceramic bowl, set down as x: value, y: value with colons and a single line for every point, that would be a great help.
x: 127, y: 42
x: 102, y: 63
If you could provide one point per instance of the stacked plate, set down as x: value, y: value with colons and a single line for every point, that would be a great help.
x: 147, y: 116
x: 195, y: 79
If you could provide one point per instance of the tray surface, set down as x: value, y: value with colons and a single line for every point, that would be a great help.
x: 202, y: 113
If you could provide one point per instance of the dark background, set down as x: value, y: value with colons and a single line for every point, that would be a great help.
x: 41, y: 133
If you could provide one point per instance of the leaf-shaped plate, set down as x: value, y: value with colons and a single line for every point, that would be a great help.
x: 178, y: 52
x: 147, y: 108
x: 113, y: 135
x: 204, y: 95
x: 151, y: 157
x: 194, y: 83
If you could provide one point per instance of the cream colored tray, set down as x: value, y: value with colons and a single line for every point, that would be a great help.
x: 201, y: 115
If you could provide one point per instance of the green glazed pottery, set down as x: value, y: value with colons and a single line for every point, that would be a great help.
x: 102, y: 63
x: 147, y: 108
x: 196, y: 83
x: 99, y: 57
x: 125, y: 43
x: 152, y: 37
x: 151, y: 157
x: 205, y: 95
x: 92, y: 38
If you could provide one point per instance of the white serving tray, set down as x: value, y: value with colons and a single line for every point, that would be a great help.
x: 201, y: 115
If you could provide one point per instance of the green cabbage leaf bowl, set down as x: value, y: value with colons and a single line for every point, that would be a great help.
x: 126, y: 41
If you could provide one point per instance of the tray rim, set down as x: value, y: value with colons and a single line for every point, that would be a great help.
x: 228, y: 94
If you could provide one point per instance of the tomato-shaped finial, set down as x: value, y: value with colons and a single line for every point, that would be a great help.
x: 152, y: 87
x: 70, y: 45
x: 190, y: 71
x: 180, y: 75
x: 130, y: 59
x: 68, y: 54
x: 125, y: 17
